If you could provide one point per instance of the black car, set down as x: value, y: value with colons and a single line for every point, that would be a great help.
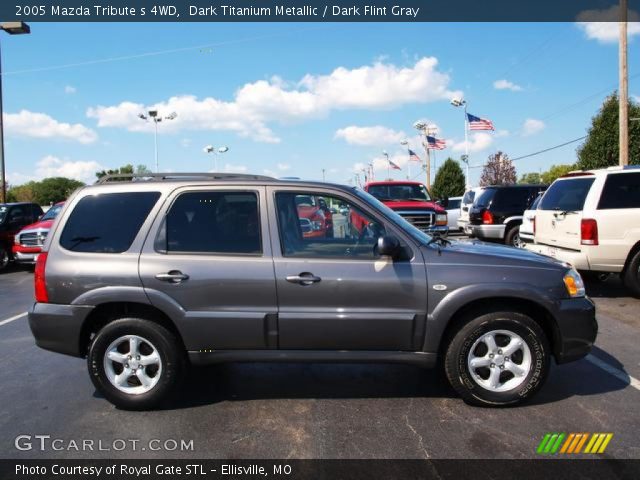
x: 497, y: 212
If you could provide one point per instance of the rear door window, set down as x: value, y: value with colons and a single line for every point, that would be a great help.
x: 214, y: 223
x: 108, y: 222
x: 567, y: 195
x: 621, y: 190
x: 484, y: 199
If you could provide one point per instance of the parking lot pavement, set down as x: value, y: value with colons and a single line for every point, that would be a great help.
x: 318, y: 411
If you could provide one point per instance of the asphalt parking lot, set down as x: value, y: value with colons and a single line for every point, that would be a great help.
x: 317, y: 411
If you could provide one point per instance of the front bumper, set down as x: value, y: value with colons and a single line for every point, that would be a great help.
x: 26, y: 255
x: 442, y: 230
x: 58, y: 327
x: 526, y: 237
x: 576, y: 329
x: 494, y: 232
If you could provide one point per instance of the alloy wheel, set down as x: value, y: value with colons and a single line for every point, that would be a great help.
x: 499, y: 360
x: 132, y: 364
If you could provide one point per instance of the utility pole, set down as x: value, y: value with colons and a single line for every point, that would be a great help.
x: 624, y: 88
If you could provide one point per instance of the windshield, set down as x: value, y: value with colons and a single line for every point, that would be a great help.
x: 567, y: 195
x: 417, y: 234
x: 468, y: 197
x: 535, y: 203
x: 3, y: 213
x: 52, y: 212
x: 399, y: 192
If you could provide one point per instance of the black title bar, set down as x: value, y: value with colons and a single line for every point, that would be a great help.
x: 315, y: 11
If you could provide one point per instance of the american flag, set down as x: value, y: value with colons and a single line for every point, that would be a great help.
x: 477, y: 123
x: 413, y: 156
x: 394, y: 166
x: 434, y: 143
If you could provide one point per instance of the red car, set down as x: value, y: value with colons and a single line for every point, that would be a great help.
x: 316, y: 220
x: 28, y: 242
x: 412, y: 201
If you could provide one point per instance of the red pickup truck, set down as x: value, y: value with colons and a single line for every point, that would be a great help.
x: 412, y: 201
x: 28, y: 242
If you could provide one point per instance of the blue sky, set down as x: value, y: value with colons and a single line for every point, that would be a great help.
x: 292, y: 99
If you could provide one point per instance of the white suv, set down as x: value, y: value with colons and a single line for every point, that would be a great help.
x: 591, y: 219
x: 465, y: 205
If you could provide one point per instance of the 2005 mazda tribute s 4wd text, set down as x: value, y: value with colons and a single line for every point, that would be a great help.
x: 144, y: 278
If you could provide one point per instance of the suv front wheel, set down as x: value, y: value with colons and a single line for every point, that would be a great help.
x: 136, y: 364
x: 499, y: 358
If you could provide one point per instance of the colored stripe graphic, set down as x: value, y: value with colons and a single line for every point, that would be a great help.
x: 573, y: 443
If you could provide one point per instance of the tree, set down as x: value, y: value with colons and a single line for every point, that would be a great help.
x: 55, y: 189
x: 142, y: 170
x: 44, y: 192
x: 601, y: 148
x: 556, y: 171
x: 532, y: 178
x: 124, y: 170
x: 498, y: 170
x: 449, y: 181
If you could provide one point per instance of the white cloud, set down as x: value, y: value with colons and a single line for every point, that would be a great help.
x: 607, y: 31
x: 41, y: 125
x: 283, y: 167
x: 51, y: 166
x: 368, y: 136
x: 502, y: 133
x: 532, y: 126
x: 70, y: 89
x: 477, y: 142
x: 259, y: 104
x: 506, y: 85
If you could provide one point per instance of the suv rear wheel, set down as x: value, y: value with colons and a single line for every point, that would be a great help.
x: 513, y: 237
x: 5, y: 258
x: 499, y: 358
x: 632, y: 275
x: 136, y: 364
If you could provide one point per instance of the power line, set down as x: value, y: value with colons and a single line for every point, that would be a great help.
x: 539, y: 151
x: 156, y: 53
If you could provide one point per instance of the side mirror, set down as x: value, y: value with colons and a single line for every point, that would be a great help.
x: 388, y: 246
x: 444, y: 202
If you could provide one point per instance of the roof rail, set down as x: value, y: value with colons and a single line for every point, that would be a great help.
x: 115, y: 177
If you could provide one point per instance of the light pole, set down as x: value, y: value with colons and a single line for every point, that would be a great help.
x: 156, y: 119
x: 623, y: 98
x: 423, y: 127
x: 384, y: 152
x: 405, y: 143
x: 457, y: 102
x: 215, y: 152
x: 12, y: 28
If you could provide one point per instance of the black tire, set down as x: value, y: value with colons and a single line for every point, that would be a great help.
x: 631, y: 275
x: 513, y: 237
x: 168, y: 347
x: 461, y: 378
x: 5, y: 258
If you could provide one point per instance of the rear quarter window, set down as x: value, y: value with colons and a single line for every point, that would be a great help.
x: 621, y: 190
x: 108, y: 222
x: 567, y: 195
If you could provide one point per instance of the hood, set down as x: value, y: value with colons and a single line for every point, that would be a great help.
x: 400, y: 205
x: 482, y: 253
x: 43, y: 225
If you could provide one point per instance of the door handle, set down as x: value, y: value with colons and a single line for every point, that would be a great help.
x: 303, y: 279
x: 174, y: 276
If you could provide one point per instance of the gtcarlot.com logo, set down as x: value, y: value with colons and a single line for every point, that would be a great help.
x: 573, y: 443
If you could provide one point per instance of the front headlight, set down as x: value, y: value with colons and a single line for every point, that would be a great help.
x: 16, y: 239
x: 574, y: 284
x: 441, y: 219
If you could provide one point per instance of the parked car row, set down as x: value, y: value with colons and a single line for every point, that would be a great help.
x: 589, y: 219
x: 13, y: 218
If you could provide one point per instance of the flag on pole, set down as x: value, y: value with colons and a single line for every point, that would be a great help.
x: 413, y: 156
x: 434, y: 143
x: 477, y: 123
x: 394, y: 166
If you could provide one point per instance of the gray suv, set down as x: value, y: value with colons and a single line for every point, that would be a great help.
x: 146, y: 277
